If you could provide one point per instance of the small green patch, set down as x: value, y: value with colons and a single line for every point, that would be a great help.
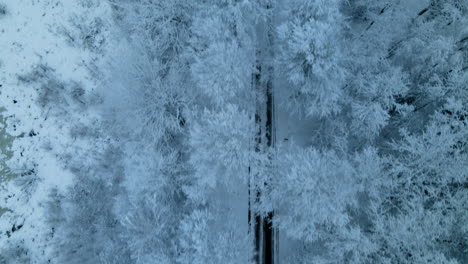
x: 5, y: 150
x: 4, y: 210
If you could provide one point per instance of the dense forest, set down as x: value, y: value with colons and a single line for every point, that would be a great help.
x: 233, y: 131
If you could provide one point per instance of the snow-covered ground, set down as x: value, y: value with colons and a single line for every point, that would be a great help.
x: 41, y: 45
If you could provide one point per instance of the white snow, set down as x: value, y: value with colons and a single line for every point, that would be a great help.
x: 30, y: 35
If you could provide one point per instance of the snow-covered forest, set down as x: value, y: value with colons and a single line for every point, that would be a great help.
x: 233, y: 131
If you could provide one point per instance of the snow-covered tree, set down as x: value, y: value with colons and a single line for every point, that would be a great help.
x: 222, y: 153
x: 393, y: 78
x: 149, y: 93
x: 312, y: 64
x: 221, y: 132
x: 417, y: 219
x: 175, y: 158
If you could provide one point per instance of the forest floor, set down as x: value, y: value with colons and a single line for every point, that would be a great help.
x: 31, y: 40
